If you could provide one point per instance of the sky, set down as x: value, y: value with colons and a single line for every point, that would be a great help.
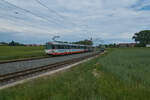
x: 106, y: 21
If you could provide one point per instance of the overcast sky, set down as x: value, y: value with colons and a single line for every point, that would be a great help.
x: 37, y: 21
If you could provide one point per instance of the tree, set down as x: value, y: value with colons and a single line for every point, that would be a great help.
x: 12, y: 43
x: 142, y: 38
x: 84, y: 42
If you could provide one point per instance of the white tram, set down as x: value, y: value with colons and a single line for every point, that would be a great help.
x: 55, y: 48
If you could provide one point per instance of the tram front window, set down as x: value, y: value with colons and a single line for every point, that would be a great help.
x: 48, y: 46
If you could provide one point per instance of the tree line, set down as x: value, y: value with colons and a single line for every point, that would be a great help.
x: 84, y: 42
x: 12, y: 43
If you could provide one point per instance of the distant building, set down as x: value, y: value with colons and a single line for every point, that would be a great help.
x: 126, y: 45
x: 148, y: 45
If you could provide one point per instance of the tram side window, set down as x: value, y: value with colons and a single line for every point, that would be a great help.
x: 61, y: 47
x: 75, y: 47
x: 71, y: 47
x: 67, y: 47
x: 54, y: 47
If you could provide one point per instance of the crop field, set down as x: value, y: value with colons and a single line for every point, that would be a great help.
x: 119, y: 74
x: 19, y: 52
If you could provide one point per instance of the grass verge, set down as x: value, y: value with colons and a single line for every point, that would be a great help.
x: 20, y: 52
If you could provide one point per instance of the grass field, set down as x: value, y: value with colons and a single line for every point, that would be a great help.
x: 19, y: 52
x: 120, y: 74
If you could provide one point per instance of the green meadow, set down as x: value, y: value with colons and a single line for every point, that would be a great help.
x: 20, y: 52
x: 119, y: 74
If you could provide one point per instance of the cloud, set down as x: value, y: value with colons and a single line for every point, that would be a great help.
x: 74, y: 19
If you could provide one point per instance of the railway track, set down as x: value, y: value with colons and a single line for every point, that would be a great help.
x: 12, y: 77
